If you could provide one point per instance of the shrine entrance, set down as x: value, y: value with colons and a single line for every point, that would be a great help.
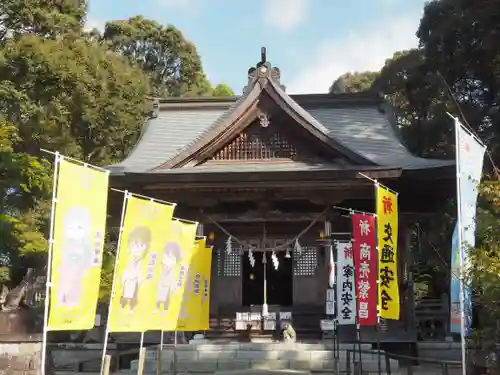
x: 278, y: 280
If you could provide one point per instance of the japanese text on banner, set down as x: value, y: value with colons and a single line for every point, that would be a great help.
x: 387, y: 233
x: 346, y: 301
x: 365, y: 266
x: 205, y: 297
x: 133, y: 304
x: 79, y: 226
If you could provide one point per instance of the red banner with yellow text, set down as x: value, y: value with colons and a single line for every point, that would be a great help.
x: 387, y: 233
x: 365, y: 267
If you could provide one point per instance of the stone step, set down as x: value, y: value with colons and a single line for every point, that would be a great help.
x: 263, y: 346
x: 303, y: 355
x: 215, y: 365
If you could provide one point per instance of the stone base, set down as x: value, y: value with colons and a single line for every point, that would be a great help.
x: 20, y: 344
x: 20, y: 355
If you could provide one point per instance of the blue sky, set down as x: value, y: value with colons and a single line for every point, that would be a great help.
x: 311, y: 41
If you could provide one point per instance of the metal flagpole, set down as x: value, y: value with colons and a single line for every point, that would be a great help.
x: 48, y: 285
x: 118, y: 245
x: 460, y: 250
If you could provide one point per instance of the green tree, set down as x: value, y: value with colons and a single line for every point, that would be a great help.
x: 353, y: 82
x: 72, y: 95
x: 25, y: 182
x: 46, y: 18
x: 484, y: 270
x: 171, y: 61
x: 459, y: 40
x: 420, y: 101
x: 223, y: 90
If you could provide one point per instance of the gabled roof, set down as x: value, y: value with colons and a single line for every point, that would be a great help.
x: 360, y: 126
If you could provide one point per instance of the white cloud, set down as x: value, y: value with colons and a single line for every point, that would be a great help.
x: 285, y: 14
x: 360, y: 51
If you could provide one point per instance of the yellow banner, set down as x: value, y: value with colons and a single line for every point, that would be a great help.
x: 387, y: 234
x: 133, y: 303
x: 191, y: 314
x: 174, y: 275
x: 205, y: 296
x: 79, y: 227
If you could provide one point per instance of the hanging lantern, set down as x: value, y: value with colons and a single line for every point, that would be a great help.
x: 229, y: 245
x: 287, y: 254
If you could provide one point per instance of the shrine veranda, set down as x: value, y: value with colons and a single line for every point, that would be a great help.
x: 269, y: 171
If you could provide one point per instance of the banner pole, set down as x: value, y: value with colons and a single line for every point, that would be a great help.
x: 49, y: 263
x: 142, y: 340
x: 161, y: 340
x: 174, y: 364
x: 379, y: 362
x: 118, y: 245
x: 460, y: 249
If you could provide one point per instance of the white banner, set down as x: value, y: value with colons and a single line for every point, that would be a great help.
x: 346, y: 296
x: 469, y: 158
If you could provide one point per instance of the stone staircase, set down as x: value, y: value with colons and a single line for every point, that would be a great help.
x: 210, y: 358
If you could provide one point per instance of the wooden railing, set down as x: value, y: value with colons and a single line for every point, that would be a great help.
x: 355, y: 365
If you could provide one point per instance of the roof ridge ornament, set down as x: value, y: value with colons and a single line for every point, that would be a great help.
x: 263, y: 70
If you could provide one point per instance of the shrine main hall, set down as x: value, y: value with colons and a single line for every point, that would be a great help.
x: 267, y: 171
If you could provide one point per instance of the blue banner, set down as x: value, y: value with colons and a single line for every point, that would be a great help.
x: 470, y: 155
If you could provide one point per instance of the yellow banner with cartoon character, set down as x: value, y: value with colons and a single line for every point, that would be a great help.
x: 135, y: 281
x: 79, y: 227
x: 174, y: 275
x: 387, y: 233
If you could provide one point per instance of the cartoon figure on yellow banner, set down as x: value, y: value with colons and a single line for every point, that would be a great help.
x: 139, y: 241
x: 77, y: 256
x: 172, y: 253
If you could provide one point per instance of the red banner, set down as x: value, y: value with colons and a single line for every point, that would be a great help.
x: 365, y: 267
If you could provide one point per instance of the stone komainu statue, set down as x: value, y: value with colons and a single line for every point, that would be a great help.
x: 15, y: 298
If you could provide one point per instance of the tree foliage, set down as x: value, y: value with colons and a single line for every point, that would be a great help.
x: 46, y: 18
x: 222, y: 90
x: 354, y: 82
x: 24, y: 185
x: 72, y: 95
x: 171, y: 61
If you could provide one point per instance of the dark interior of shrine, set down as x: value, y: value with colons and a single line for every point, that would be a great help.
x: 279, y: 280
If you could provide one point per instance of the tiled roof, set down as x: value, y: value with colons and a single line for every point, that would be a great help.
x: 165, y: 136
x: 362, y: 128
